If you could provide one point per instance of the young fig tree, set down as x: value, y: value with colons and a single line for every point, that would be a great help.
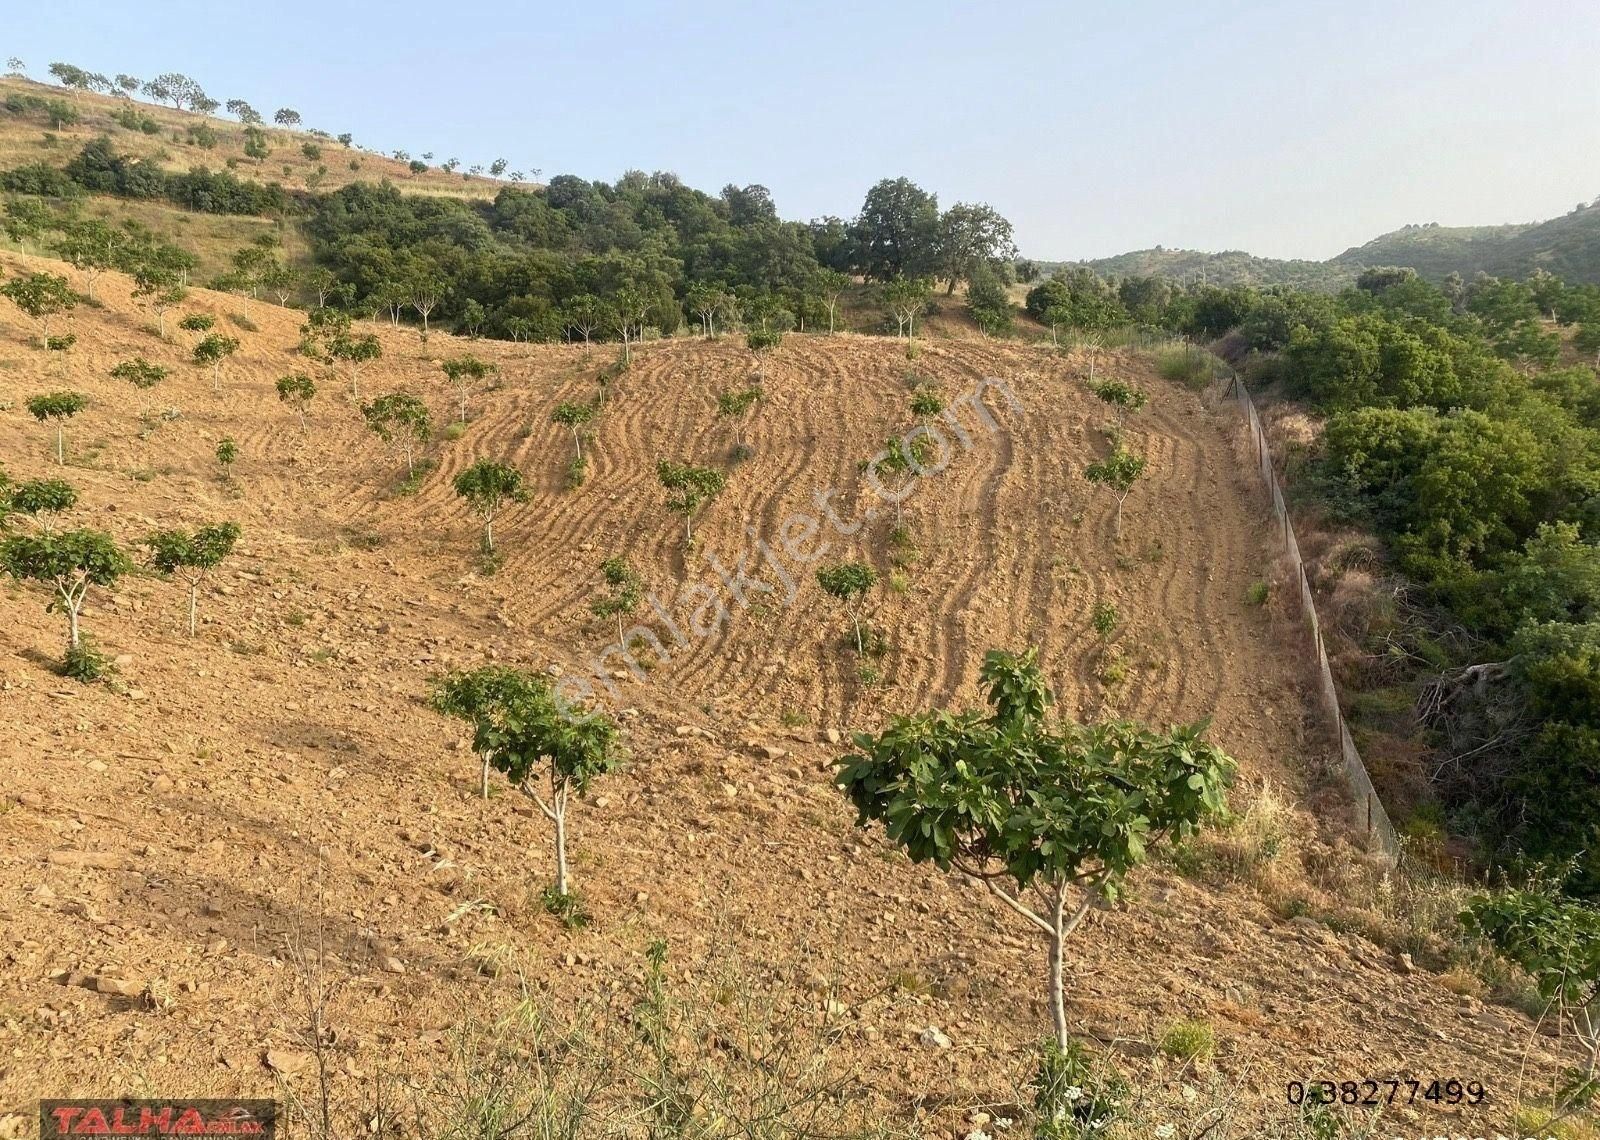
x: 141, y: 374
x: 487, y: 487
x: 42, y: 500
x: 734, y: 406
x: 689, y: 488
x: 68, y: 564
x: 849, y: 583
x: 624, y: 591
x: 355, y: 351
x: 297, y: 390
x: 1117, y: 473
x: 401, y: 420
x: 1049, y: 816
x: 574, y: 416
x: 227, y: 452
x: 524, y: 732
x: 58, y: 407
x: 41, y: 296
x: 1123, y: 398
x: 463, y: 372
x: 192, y: 556
x: 213, y: 351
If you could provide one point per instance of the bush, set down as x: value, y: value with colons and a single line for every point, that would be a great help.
x: 761, y: 340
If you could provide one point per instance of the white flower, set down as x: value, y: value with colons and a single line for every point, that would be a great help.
x: 1166, y: 1131
x: 1073, y: 1094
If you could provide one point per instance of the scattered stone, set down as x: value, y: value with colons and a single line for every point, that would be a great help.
x: 934, y: 1038
x: 833, y: 736
x: 393, y: 965
x: 1407, y: 966
x: 281, y: 1061
x: 96, y: 766
x: 117, y: 987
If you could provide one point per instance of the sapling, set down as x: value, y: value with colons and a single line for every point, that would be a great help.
x: 902, y: 455
x: 487, y: 487
x: 60, y: 407
x: 690, y: 488
x: 401, y: 421
x: 1124, y: 398
x: 462, y: 372
x: 198, y: 322
x: 1015, y: 796
x: 574, y: 416
x: 213, y: 350
x: 519, y: 725
x: 1117, y: 473
x: 297, y: 390
x: 227, y: 452
x: 41, y: 296
x: 68, y: 563
x: 849, y: 582
x: 42, y: 500
x: 733, y: 406
x: 58, y: 346
x: 192, y: 556
x: 625, y: 591
x: 355, y: 351
x: 925, y: 403
x: 142, y: 375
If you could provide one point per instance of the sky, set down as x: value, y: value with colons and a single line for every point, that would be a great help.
x: 1285, y: 128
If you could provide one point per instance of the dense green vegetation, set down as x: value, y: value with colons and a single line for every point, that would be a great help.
x: 1456, y: 432
x: 572, y: 258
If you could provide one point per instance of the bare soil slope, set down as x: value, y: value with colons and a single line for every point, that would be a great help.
x: 280, y: 773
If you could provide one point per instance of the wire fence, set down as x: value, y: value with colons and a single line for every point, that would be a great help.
x: 1380, y: 831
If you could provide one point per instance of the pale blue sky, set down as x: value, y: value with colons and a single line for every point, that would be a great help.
x: 1288, y: 129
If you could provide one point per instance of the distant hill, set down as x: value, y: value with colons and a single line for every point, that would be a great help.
x: 1232, y: 267
x: 1568, y: 246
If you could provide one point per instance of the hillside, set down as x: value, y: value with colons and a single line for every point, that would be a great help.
x: 1568, y: 246
x: 1234, y: 267
x: 176, y: 845
x: 171, y: 138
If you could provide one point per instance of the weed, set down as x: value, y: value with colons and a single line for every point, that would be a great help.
x: 1258, y: 593
x: 1189, y: 1041
x: 85, y: 663
x: 568, y: 908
